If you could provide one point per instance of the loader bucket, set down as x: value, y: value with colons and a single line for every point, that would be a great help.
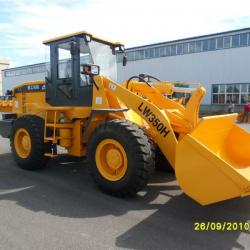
x: 213, y: 162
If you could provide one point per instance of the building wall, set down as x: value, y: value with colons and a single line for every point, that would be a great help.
x: 4, y: 64
x: 10, y: 82
x: 19, y: 75
x: 219, y: 66
x: 219, y: 61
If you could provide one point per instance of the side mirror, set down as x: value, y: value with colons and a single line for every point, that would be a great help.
x: 90, y: 69
x: 124, y: 60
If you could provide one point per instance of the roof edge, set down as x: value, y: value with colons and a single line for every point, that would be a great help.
x: 25, y: 66
x: 78, y: 34
x: 189, y: 38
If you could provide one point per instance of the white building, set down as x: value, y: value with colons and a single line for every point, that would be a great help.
x: 14, y: 76
x: 4, y: 64
x: 219, y: 61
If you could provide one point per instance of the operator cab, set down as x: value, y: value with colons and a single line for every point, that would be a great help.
x: 71, y: 62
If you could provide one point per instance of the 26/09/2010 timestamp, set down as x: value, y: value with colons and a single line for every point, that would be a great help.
x: 221, y: 226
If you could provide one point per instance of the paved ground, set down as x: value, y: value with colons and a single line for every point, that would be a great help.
x: 61, y: 208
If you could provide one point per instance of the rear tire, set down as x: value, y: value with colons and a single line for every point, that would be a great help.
x: 120, y: 136
x: 27, y: 143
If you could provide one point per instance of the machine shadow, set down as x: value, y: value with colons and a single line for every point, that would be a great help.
x: 178, y: 227
x: 65, y: 189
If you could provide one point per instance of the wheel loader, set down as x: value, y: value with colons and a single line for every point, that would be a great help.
x: 122, y: 128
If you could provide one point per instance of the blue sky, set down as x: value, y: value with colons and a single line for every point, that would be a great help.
x: 25, y: 24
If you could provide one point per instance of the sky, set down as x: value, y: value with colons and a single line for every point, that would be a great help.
x: 24, y: 24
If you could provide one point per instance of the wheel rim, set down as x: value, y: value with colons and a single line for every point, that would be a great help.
x: 111, y: 159
x: 22, y: 143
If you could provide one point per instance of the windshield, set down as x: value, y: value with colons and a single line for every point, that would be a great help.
x: 99, y: 54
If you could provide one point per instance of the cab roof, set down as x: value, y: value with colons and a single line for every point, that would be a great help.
x: 82, y: 33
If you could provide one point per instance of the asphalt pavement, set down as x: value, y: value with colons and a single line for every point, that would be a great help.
x: 61, y: 208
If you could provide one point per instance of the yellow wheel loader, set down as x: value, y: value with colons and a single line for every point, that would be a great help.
x: 121, y: 128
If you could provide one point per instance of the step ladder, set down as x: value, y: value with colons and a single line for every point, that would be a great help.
x: 53, y: 138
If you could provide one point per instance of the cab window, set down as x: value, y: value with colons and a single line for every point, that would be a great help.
x: 64, y: 63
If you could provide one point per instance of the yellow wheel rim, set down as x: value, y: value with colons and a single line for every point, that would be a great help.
x: 111, y: 159
x: 22, y: 143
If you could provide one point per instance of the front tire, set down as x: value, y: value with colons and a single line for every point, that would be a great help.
x: 27, y: 143
x: 121, y: 157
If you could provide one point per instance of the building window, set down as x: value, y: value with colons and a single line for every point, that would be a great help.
x: 179, y: 49
x: 26, y: 70
x: 226, y: 42
x: 12, y: 73
x: 173, y: 50
x: 185, y: 48
x: 141, y: 54
x: 245, y: 93
x: 151, y: 52
x: 147, y: 53
x: 212, y: 44
x: 168, y: 51
x: 157, y: 52
x: 219, y: 43
x: 215, y: 99
x: 233, y: 88
x: 218, y: 99
x: 234, y: 98
x: 198, y: 46
x: 37, y: 69
x: 235, y: 41
x: 243, y: 39
x: 137, y: 55
x: 244, y: 88
x: 215, y: 88
x: 237, y: 93
x: 245, y: 98
x: 131, y: 56
x: 162, y: 51
x: 205, y: 45
x: 192, y: 47
x: 222, y: 88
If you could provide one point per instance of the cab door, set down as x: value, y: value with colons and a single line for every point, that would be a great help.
x: 63, y: 84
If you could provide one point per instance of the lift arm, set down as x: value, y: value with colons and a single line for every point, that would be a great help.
x: 164, y: 116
